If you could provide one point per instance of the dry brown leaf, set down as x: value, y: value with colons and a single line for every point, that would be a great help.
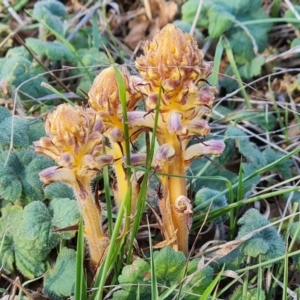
x: 294, y: 130
x: 143, y: 28
x: 138, y: 28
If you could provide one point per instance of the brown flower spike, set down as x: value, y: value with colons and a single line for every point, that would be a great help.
x: 74, y: 143
x: 105, y: 99
x: 173, y: 62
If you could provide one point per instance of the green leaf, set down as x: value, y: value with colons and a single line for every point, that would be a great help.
x: 252, y: 68
x: 36, y: 131
x: 186, y: 27
x: 133, y: 275
x: 89, y: 57
x: 251, y: 153
x: 65, y: 213
x: 15, y: 249
x: 225, y: 20
x: 52, y: 50
x: 198, y: 280
x: 20, y: 129
x: 289, y: 14
x: 37, y: 227
x: 240, y: 39
x: 39, y: 222
x: 170, y: 270
x: 17, y: 70
x: 51, y: 12
x: 230, y: 16
x: 58, y: 190
x: 169, y: 265
x: 19, y: 179
x: 189, y: 9
x: 283, y: 168
x: 18, y: 51
x: 267, y: 243
x: 250, y: 295
x: 59, y: 282
x: 203, y: 200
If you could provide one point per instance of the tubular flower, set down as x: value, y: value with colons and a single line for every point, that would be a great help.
x: 74, y: 143
x: 105, y: 99
x: 173, y: 64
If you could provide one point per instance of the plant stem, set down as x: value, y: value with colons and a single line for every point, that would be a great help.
x: 97, y: 242
x: 173, y: 187
x: 123, y: 184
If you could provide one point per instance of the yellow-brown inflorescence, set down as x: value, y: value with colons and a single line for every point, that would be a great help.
x: 104, y: 97
x: 173, y: 62
x: 74, y: 142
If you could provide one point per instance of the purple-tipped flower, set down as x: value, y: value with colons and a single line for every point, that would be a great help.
x: 212, y: 147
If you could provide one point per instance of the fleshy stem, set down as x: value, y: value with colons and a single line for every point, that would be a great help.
x: 174, y: 187
x: 96, y: 239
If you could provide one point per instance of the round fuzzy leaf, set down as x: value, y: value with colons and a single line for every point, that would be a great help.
x: 19, y: 179
x: 65, y: 213
x: 16, y: 250
x: 58, y: 190
x: 60, y: 281
x: 132, y: 276
x: 169, y: 265
x: 37, y: 226
x: 39, y: 222
x: 266, y: 243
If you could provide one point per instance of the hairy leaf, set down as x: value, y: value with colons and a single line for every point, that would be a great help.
x: 170, y: 270
x: 267, y: 243
x: 289, y: 14
x: 198, y: 280
x: 18, y: 51
x: 230, y: 16
x: 252, y: 68
x: 203, y: 201
x: 19, y: 179
x: 51, y: 12
x: 250, y: 295
x: 39, y: 221
x: 89, y: 57
x: 53, y: 50
x: 138, y: 273
x: 58, y: 190
x: 283, y: 168
x: 169, y: 265
x: 17, y: 72
x: 16, y: 250
x: 251, y: 152
x: 20, y: 128
x: 59, y: 282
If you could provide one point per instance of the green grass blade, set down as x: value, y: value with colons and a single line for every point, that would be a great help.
x: 212, y: 286
x: 154, y: 289
x: 80, y: 281
x: 235, y: 70
x: 217, y: 62
x: 144, y: 185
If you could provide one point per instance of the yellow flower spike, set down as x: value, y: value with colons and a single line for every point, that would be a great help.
x: 74, y: 143
x: 105, y: 99
x: 172, y: 59
x: 173, y: 64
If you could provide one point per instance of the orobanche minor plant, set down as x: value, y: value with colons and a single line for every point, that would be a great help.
x: 83, y: 140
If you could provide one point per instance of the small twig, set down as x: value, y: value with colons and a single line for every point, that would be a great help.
x: 16, y: 283
x: 41, y: 63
